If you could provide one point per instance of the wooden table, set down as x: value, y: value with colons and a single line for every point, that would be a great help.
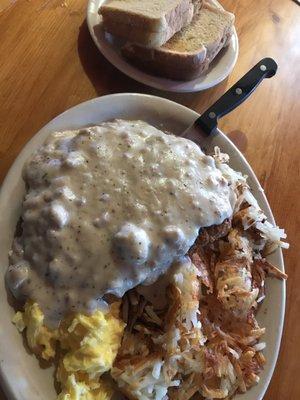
x: 49, y: 63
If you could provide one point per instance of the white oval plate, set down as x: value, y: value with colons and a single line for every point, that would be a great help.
x: 110, y: 47
x: 20, y: 373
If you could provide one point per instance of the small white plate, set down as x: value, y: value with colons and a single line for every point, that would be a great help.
x: 110, y: 47
x: 20, y: 374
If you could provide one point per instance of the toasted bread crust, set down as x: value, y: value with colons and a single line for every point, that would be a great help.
x: 164, y: 63
x: 173, y: 65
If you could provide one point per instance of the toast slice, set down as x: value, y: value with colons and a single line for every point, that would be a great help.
x: 189, y: 52
x: 146, y: 22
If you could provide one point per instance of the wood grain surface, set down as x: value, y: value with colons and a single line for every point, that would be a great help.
x: 49, y: 63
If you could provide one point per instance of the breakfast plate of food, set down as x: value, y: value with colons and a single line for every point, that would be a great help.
x: 177, y: 45
x: 133, y: 264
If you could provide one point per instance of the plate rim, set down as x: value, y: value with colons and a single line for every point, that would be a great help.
x: 6, y: 384
x: 153, y: 81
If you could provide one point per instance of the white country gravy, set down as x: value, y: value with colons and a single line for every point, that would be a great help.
x: 107, y: 208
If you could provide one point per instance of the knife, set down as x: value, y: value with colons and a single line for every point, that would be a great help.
x: 204, y: 130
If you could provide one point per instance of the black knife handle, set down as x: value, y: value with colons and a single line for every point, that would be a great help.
x: 236, y: 95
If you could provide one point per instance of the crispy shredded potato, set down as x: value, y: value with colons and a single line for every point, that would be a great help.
x: 207, y: 342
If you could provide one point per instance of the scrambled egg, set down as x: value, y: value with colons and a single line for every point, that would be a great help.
x: 74, y: 390
x: 88, y: 346
x: 40, y: 339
